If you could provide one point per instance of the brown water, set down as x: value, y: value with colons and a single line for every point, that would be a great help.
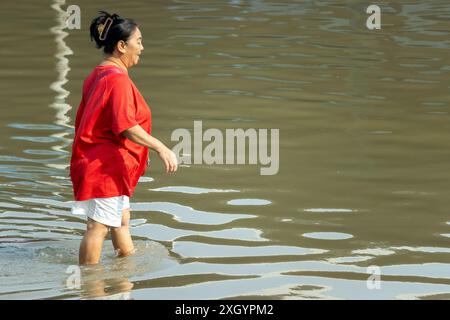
x: 364, y: 159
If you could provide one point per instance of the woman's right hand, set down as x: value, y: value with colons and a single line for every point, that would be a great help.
x: 169, y: 159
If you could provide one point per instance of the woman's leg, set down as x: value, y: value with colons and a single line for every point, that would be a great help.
x: 121, y: 237
x: 92, y: 243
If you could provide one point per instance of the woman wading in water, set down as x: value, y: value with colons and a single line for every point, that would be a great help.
x: 112, y: 137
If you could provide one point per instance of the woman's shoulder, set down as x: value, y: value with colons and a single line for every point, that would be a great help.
x: 114, y: 78
x: 112, y: 72
x: 100, y: 73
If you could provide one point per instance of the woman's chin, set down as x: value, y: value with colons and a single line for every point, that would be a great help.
x: 134, y: 63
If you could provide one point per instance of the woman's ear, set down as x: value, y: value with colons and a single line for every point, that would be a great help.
x: 121, y: 45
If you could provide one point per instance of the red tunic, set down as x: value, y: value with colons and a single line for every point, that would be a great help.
x: 104, y: 163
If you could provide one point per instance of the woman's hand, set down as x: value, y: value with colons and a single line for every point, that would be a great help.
x: 169, y: 159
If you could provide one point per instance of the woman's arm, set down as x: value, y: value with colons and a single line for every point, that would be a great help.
x: 138, y: 135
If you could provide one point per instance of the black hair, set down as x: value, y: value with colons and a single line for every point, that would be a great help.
x: 120, y: 29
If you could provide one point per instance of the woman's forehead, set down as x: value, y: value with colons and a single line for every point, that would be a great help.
x: 137, y: 33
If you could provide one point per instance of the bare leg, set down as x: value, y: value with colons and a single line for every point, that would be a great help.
x: 121, y: 237
x: 92, y: 243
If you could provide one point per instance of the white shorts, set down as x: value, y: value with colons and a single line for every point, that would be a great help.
x: 107, y: 211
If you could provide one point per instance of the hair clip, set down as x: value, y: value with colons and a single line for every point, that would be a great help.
x: 102, y: 27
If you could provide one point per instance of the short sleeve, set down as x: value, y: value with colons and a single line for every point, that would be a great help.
x: 121, y: 104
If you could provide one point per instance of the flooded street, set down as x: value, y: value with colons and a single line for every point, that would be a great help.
x: 364, y: 158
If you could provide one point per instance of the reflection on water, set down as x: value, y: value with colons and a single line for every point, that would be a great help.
x: 62, y: 65
x: 54, y: 261
x: 62, y: 68
x: 363, y: 152
x: 190, y: 190
x: 328, y: 235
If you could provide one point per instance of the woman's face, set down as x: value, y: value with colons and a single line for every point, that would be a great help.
x: 132, y: 49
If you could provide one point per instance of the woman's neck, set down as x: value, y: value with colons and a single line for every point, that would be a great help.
x: 111, y: 60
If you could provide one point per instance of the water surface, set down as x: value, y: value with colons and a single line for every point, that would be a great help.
x: 364, y: 172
